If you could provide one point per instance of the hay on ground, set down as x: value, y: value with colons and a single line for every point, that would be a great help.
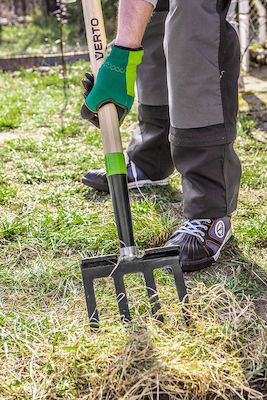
x: 217, y: 357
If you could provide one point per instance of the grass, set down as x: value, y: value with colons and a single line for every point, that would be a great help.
x: 41, y: 35
x: 30, y: 38
x: 49, y: 221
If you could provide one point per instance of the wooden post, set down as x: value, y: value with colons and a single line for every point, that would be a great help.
x: 244, y: 33
x: 262, y: 21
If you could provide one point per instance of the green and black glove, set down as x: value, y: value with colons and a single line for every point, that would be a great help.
x: 114, y: 84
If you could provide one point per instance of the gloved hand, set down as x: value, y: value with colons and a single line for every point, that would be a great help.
x: 114, y: 84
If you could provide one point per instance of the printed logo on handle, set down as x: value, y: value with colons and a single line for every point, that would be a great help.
x: 220, y: 229
x: 97, y: 39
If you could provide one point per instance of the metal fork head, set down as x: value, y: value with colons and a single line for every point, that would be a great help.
x: 112, y: 266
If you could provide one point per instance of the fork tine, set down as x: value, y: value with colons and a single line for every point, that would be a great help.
x: 152, y: 293
x: 91, y: 304
x: 181, y: 289
x: 179, y: 281
x: 122, y: 297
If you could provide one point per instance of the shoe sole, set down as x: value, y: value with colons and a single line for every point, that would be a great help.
x: 147, y: 182
x: 131, y: 185
x: 101, y: 188
x: 191, y: 266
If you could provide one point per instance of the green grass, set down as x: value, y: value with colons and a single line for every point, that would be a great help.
x: 39, y: 36
x: 37, y: 101
x: 49, y: 221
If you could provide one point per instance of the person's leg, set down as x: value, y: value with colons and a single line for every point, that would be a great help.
x: 149, y: 148
x: 210, y: 179
x: 203, y: 57
x: 203, y: 62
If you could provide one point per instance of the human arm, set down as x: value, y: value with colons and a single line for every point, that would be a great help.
x: 132, y: 21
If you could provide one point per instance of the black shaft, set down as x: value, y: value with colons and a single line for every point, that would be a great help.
x: 118, y: 188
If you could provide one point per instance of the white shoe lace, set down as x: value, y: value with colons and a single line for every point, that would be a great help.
x: 194, y: 228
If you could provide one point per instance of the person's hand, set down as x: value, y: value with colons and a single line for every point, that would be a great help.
x: 88, y: 83
x: 86, y: 113
x: 114, y: 84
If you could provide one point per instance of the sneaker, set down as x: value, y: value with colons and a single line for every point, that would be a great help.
x: 97, y: 179
x: 200, y: 242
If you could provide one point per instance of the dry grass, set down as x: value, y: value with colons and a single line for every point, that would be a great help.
x: 212, y: 359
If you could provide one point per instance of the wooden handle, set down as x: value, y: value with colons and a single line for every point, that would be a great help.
x: 96, y: 40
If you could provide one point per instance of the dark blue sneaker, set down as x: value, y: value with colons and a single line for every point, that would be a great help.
x: 136, y: 178
x: 200, y: 242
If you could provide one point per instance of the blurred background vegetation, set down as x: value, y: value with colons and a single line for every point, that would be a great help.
x: 32, y: 27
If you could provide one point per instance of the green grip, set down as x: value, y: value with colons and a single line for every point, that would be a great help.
x: 115, y: 164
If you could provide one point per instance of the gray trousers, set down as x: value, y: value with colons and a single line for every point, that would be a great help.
x: 187, y: 93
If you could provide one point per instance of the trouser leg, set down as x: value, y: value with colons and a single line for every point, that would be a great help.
x: 149, y: 147
x: 203, y: 57
x: 203, y: 61
x: 210, y: 179
x: 151, y: 79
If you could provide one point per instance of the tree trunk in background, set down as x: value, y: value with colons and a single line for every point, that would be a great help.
x: 51, y: 6
x: 20, y: 8
x: 23, y: 8
x: 11, y: 9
